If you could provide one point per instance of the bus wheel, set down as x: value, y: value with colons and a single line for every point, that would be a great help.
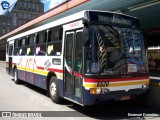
x: 16, y: 80
x: 54, y: 91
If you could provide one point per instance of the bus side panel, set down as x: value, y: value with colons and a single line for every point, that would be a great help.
x: 30, y: 77
x: 40, y: 81
x: 21, y: 74
x: 61, y: 88
x: 33, y: 78
x: 20, y: 62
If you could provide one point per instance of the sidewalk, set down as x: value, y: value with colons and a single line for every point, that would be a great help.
x: 2, y: 64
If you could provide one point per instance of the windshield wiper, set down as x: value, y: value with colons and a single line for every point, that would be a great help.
x: 131, y: 31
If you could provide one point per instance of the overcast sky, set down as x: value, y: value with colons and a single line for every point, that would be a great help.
x: 48, y: 4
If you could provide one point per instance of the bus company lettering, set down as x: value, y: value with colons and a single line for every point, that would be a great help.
x: 73, y: 25
x: 47, y: 64
x: 102, y: 84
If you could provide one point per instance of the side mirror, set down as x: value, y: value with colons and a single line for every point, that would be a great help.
x: 85, y: 22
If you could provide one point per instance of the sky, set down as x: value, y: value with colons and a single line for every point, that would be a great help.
x: 49, y: 4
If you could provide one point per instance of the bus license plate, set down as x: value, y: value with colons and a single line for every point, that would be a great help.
x: 125, y: 97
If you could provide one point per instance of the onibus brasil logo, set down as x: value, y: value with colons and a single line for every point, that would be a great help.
x: 5, y: 5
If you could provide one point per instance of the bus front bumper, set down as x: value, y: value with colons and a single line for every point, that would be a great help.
x: 90, y: 99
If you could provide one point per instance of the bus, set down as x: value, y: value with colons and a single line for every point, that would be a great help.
x: 89, y: 57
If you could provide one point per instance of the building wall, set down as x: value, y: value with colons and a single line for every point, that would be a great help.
x: 24, y: 11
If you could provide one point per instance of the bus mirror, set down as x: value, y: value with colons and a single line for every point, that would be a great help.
x: 85, y: 36
x: 85, y: 23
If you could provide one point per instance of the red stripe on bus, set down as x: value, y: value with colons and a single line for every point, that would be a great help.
x: 115, y: 79
x: 60, y: 71
x: 77, y: 74
x: 55, y: 70
x: 41, y: 68
x: 51, y: 69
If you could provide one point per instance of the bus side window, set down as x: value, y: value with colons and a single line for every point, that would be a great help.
x: 54, y: 44
x: 30, y: 45
x: 16, y: 47
x: 22, y: 46
x: 41, y: 43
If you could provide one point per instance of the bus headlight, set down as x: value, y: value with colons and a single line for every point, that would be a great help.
x: 105, y: 91
x: 95, y: 90
x: 144, y: 86
x: 98, y: 90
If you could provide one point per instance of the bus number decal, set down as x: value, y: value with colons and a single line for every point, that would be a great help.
x: 102, y: 84
x: 56, y: 61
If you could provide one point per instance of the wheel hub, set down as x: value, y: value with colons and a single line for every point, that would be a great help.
x: 15, y: 76
x: 53, y: 89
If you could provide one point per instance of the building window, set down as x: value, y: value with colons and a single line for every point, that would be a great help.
x: 8, y: 29
x: 37, y: 8
x: 4, y: 31
x: 20, y: 4
x: 20, y: 15
x: 14, y: 14
x: 14, y: 21
x: 24, y: 4
x: 33, y: 16
x: 29, y: 5
x: 29, y: 16
x: 20, y: 22
x: 33, y: 5
x: 25, y: 15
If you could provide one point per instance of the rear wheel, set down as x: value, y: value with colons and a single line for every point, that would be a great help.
x: 16, y: 80
x: 54, y: 90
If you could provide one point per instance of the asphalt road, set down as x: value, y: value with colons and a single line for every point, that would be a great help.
x: 25, y: 97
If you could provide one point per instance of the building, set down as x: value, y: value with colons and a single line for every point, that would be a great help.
x: 24, y: 11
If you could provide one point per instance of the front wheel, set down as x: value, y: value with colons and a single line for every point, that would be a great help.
x: 54, y: 90
x: 16, y: 80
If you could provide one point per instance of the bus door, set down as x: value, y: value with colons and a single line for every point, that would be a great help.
x: 10, y: 54
x: 73, y: 65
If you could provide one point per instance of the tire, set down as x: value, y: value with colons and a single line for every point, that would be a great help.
x: 54, y: 90
x: 16, y: 80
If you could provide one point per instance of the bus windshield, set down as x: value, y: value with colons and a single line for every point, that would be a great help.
x: 115, y: 50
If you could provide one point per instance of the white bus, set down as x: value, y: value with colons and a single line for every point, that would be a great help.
x: 88, y: 57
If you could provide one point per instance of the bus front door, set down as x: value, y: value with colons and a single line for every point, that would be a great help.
x: 73, y: 66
